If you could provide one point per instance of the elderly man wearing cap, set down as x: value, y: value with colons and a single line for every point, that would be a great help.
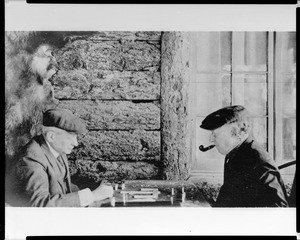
x: 251, y: 178
x: 43, y: 171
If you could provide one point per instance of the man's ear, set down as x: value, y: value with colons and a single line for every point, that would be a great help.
x: 50, y: 136
x: 245, y: 127
x: 235, y: 131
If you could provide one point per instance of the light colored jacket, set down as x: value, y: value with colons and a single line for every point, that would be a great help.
x: 41, y: 184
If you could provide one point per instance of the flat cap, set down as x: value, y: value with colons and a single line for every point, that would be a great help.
x: 222, y: 116
x: 63, y: 119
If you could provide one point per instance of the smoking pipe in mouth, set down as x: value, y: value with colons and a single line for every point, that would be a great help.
x: 204, y: 149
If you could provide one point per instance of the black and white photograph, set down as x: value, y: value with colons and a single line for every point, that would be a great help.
x: 114, y: 120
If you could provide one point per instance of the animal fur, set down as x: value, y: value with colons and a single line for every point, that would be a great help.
x: 28, y: 90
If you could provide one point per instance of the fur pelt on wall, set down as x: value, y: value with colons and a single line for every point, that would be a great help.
x: 29, y: 65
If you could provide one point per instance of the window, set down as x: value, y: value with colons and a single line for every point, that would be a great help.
x: 285, y: 100
x: 254, y: 69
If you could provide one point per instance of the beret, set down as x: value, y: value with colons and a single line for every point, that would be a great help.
x: 222, y: 116
x: 63, y: 119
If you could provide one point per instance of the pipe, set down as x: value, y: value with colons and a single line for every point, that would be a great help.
x: 204, y: 149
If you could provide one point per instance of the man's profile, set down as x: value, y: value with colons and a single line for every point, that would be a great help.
x: 42, y: 172
x: 251, y: 177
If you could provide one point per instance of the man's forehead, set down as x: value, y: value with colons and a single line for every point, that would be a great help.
x: 223, y: 128
x: 61, y: 131
x: 72, y: 133
x: 67, y: 132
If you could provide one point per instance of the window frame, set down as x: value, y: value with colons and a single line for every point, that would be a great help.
x: 273, y: 120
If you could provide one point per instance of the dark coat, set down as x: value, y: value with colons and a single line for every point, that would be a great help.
x: 40, y: 183
x: 251, y: 179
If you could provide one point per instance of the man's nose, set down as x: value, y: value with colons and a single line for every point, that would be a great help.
x: 211, y: 138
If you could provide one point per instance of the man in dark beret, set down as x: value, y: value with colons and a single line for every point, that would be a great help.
x: 251, y: 177
x: 43, y: 172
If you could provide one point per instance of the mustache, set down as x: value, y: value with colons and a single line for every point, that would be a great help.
x: 204, y: 149
x: 52, y: 65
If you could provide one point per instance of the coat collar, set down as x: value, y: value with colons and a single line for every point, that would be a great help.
x: 52, y: 150
x: 46, y: 146
x: 241, y: 147
x: 49, y: 155
x: 51, y: 158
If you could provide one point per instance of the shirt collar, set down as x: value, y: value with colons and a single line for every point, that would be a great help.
x: 55, y: 153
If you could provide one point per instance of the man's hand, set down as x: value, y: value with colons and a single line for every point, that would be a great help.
x: 103, y: 192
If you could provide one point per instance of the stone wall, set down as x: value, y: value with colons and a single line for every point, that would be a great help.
x: 112, y: 81
x: 131, y: 89
x: 175, y: 104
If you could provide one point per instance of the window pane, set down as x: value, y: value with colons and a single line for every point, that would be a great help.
x: 289, y: 138
x: 251, y: 92
x: 288, y: 52
x: 285, y: 85
x: 289, y: 117
x: 213, y: 51
x: 249, y: 51
x: 289, y: 148
x: 259, y: 128
x: 212, y: 92
x: 288, y: 88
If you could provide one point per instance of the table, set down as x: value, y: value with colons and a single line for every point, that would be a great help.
x: 192, y: 198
